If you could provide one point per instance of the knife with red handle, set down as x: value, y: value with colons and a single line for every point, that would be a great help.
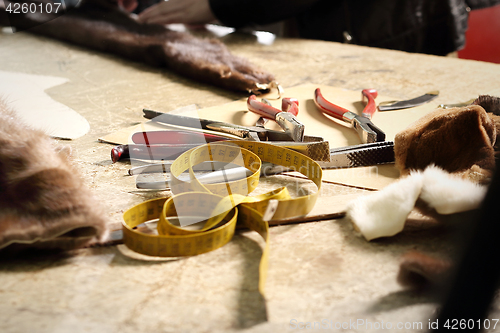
x: 156, y: 152
x: 174, y: 137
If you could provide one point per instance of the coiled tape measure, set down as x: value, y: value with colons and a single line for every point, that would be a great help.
x: 219, y: 206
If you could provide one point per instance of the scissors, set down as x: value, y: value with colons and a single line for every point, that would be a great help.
x: 363, y: 125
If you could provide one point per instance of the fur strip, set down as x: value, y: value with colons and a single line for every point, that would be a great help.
x: 383, y: 213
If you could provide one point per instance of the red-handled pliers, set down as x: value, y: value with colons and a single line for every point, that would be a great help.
x: 284, y: 117
x: 366, y: 130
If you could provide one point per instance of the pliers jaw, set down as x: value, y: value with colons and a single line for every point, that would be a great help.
x: 291, y: 126
x: 367, y: 131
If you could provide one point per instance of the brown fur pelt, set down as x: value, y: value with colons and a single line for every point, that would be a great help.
x: 459, y: 140
x: 418, y: 270
x: 43, y: 203
x: 102, y: 26
x: 491, y: 105
x: 462, y: 140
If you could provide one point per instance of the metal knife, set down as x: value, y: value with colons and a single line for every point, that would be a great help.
x: 162, y: 181
x: 244, y: 132
x: 253, y: 133
x: 397, y: 105
x: 367, y: 154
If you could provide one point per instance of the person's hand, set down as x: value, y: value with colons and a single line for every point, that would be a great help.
x: 178, y: 11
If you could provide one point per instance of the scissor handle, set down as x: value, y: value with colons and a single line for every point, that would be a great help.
x: 368, y: 96
x: 267, y: 111
x: 327, y: 107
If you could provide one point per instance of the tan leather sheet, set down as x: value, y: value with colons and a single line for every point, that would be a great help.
x: 25, y: 95
x: 338, y: 133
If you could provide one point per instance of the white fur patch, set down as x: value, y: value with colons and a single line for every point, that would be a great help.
x: 448, y: 193
x: 384, y: 213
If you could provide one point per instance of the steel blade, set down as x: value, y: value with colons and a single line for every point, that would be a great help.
x: 397, y: 105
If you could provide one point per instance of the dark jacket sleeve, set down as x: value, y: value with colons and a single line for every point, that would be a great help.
x: 241, y: 13
x: 423, y: 26
x: 478, y: 4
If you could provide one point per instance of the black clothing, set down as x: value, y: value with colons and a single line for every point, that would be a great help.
x: 423, y: 26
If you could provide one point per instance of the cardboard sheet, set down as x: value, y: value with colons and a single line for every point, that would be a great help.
x: 25, y: 94
x: 338, y: 133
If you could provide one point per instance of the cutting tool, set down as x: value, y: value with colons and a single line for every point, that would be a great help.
x: 366, y: 130
x: 161, y: 151
x: 162, y: 145
x: 456, y: 105
x: 175, y: 137
x: 165, y: 145
x: 253, y: 133
x: 398, y: 105
x: 284, y: 117
x: 367, y: 154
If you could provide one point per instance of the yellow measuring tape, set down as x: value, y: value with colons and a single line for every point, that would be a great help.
x: 219, y: 207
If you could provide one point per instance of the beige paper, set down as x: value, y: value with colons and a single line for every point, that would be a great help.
x: 338, y: 133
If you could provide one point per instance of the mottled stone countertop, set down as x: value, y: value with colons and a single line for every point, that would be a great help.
x: 318, y: 272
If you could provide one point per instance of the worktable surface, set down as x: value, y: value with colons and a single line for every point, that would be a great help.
x: 318, y: 271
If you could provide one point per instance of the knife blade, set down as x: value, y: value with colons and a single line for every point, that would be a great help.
x: 367, y: 154
x: 160, y: 182
x: 397, y: 105
x: 243, y: 132
x: 253, y: 133
x: 149, y: 179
